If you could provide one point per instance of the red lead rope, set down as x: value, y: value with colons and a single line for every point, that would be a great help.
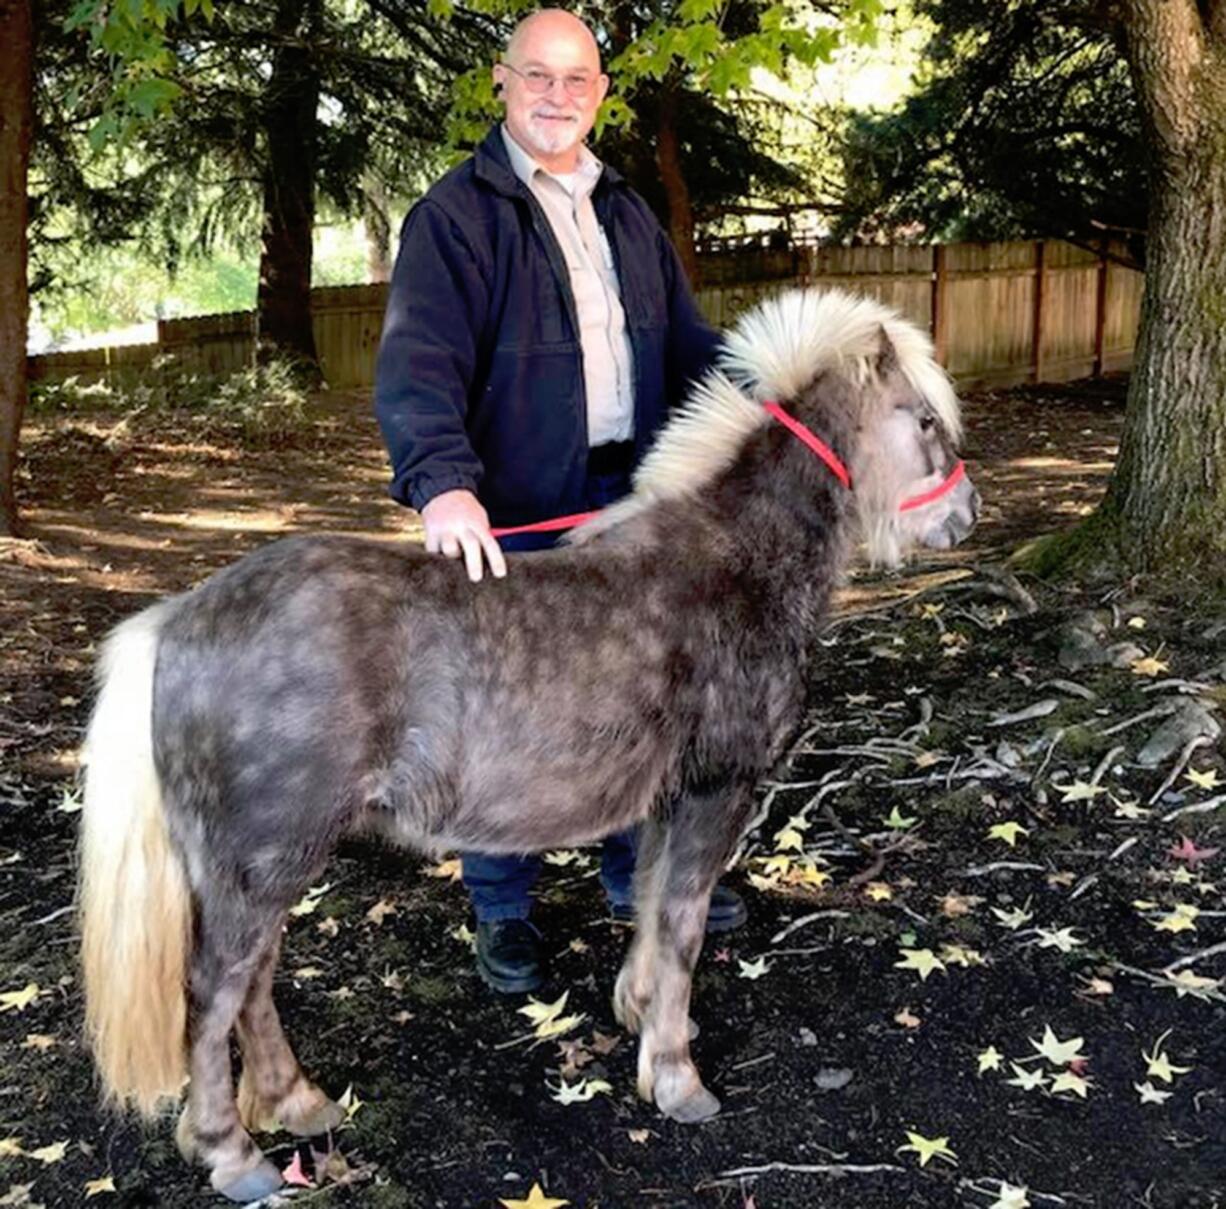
x: 798, y: 430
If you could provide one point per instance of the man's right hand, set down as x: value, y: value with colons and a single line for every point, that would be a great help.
x: 456, y: 525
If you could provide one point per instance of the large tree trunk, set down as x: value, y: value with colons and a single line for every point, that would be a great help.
x: 283, y: 300
x: 378, y: 226
x: 680, y: 209
x: 1167, y: 499
x: 16, y: 104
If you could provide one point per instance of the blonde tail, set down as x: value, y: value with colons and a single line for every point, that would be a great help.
x: 134, y: 901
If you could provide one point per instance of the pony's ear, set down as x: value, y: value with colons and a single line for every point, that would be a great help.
x: 886, y: 356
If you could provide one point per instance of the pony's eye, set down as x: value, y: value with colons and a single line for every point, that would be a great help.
x: 927, y: 423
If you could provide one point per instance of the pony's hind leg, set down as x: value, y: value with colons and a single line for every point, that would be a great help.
x: 230, y: 942
x: 702, y: 831
x: 632, y: 994
x: 272, y: 1090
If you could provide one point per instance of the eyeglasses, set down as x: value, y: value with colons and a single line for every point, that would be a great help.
x: 541, y: 82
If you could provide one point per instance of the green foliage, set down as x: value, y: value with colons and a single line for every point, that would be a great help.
x: 1026, y: 125
x: 261, y: 406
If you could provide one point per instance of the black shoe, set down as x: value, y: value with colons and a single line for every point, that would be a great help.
x: 509, y: 956
x: 727, y: 911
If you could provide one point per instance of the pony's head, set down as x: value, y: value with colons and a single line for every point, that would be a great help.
x: 908, y: 484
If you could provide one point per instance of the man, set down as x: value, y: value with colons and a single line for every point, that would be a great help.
x: 538, y: 327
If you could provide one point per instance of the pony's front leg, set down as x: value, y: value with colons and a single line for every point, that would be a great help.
x: 703, y: 830
x: 632, y: 995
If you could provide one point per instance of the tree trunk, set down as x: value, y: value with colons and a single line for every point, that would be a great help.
x: 1165, y: 508
x: 1167, y: 497
x: 680, y: 209
x: 283, y: 299
x: 378, y: 231
x: 16, y: 104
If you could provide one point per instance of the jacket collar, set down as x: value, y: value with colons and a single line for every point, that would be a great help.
x: 491, y: 165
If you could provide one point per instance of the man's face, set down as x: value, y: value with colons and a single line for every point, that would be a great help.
x: 553, y: 123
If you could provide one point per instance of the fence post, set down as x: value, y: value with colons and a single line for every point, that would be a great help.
x: 940, y: 325
x: 1036, y: 344
x: 1100, y: 309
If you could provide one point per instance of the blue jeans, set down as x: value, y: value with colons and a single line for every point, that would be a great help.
x: 499, y: 886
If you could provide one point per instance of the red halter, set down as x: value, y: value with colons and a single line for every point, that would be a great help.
x: 798, y: 430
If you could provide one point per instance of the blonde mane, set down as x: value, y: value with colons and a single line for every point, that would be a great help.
x: 774, y: 352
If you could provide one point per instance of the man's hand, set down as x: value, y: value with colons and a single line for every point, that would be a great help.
x: 457, y: 524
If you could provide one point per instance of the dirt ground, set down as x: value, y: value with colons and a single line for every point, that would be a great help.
x: 898, y: 946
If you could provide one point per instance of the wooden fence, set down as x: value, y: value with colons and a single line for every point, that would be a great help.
x: 999, y: 314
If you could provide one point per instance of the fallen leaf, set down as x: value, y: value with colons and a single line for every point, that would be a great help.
x: 1068, y: 1080
x: 1181, y: 919
x: 451, y: 869
x: 898, y: 821
x: 310, y: 900
x: 392, y: 980
x: 1136, y: 623
x: 1190, y: 854
x: 1099, y: 986
x: 539, y: 1012
x: 18, y: 1001
x: 1150, y: 1094
x: 1188, y: 983
x: 604, y: 1043
x: 350, y: 1102
x: 49, y: 1154
x: 579, y: 1093
x: 1057, y: 1052
x: 465, y: 935
x: 1027, y: 1080
x: 10, y: 1147
x: 1008, y: 832
x: 1150, y: 666
x: 789, y: 840
x: 879, y: 892
x: 926, y: 759
x: 1208, y: 779
x: 18, y: 1194
x: 99, y: 1186
x: 752, y: 969
x: 639, y: 1136
x: 955, y: 904
x: 989, y: 1059
x: 380, y: 911
x: 1011, y: 1198
x: 293, y: 1174
x: 1013, y: 918
x: 928, y: 1148
x: 960, y: 955
x: 329, y: 927
x: 579, y: 946
x: 1080, y: 791
x: 1061, y: 878
x: 308, y: 972
x: 923, y: 961
x: 907, y: 1018
x: 1158, y: 1065
x: 1130, y: 810
x: 40, y: 1041
x: 1061, y: 938
x: 536, y: 1199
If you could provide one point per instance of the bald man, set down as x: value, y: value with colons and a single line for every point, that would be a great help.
x: 538, y: 328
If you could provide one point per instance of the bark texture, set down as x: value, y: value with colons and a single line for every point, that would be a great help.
x: 680, y: 207
x: 1167, y: 499
x: 378, y: 231
x: 16, y: 103
x: 283, y: 299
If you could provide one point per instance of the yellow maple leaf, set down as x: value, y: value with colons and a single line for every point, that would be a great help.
x: 879, y: 892
x: 1008, y: 832
x: 310, y: 900
x: 98, y: 1187
x: 1186, y: 982
x: 923, y: 961
x: 928, y: 1148
x: 1150, y: 666
x: 1181, y: 919
x: 381, y: 910
x: 351, y: 1102
x: 1158, y: 1065
x: 989, y: 1059
x: 752, y: 970
x: 451, y: 869
x: 806, y: 873
x: 1068, y: 1080
x: 1080, y: 791
x: 536, y: 1199
x: 1203, y: 780
x: 926, y: 759
x: 789, y: 840
x: 49, y: 1154
x: 579, y: 1093
x: 40, y: 1041
x: 18, y: 1001
x: 540, y: 1013
x: 10, y: 1147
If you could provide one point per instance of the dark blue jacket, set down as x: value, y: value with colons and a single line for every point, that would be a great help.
x: 479, y: 380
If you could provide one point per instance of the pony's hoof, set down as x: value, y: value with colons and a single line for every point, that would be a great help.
x: 261, y: 1181
x: 699, y: 1105
x: 325, y: 1117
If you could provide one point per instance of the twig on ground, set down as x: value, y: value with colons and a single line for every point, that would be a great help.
x: 1071, y: 687
x: 1159, y: 711
x: 1196, y: 808
x: 1180, y: 765
x: 840, y: 1169
x: 1128, y: 843
x: 804, y: 921
x: 1180, y: 686
x: 995, y: 866
x: 1200, y: 955
x: 1106, y: 763
x: 1055, y: 739
x: 998, y: 1190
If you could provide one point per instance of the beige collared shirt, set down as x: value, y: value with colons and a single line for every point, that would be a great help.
x: 608, y: 365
